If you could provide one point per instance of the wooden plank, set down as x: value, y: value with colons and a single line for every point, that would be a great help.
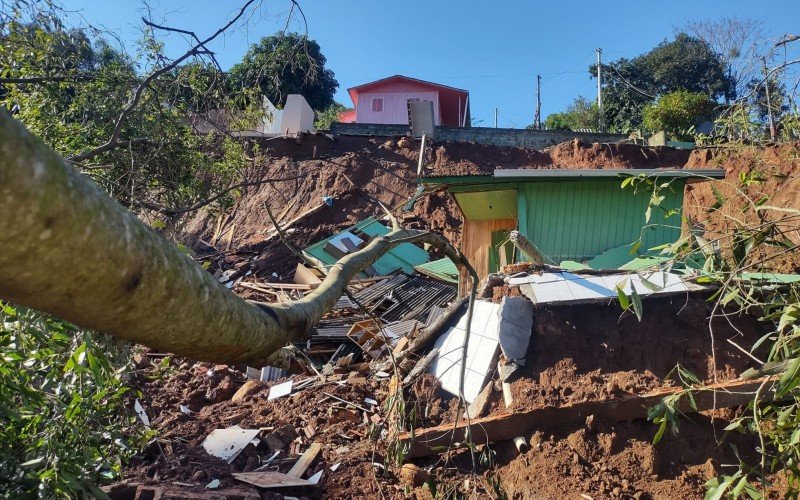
x: 270, y: 479
x: 305, y: 460
x: 503, y: 427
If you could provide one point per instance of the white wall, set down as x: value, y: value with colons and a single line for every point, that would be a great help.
x: 297, y: 115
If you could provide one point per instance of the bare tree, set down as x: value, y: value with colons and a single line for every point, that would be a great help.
x: 739, y: 42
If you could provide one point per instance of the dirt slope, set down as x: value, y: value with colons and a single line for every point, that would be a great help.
x: 778, y: 167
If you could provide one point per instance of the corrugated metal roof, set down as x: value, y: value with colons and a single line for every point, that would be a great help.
x: 442, y: 269
x: 533, y: 175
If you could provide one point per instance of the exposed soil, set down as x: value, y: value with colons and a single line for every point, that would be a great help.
x: 617, y: 460
x: 777, y: 167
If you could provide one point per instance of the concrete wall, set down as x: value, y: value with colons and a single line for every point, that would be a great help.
x: 368, y: 129
x: 533, y: 139
x: 297, y: 115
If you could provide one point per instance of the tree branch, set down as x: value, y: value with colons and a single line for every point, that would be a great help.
x: 198, y: 48
x: 44, y: 79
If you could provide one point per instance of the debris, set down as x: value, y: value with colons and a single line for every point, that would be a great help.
x: 280, y: 390
x: 274, y: 442
x: 270, y: 479
x: 305, y: 460
x: 228, y: 443
x: 477, y: 408
x: 421, y: 365
x: 571, y: 288
x: 213, y: 484
x: 347, y: 402
x: 249, y: 388
x: 137, y: 407
x: 315, y: 478
x: 516, y: 324
x: 185, y: 410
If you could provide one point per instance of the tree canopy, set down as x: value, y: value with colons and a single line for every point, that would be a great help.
x: 685, y: 63
x: 286, y: 64
x: 581, y: 114
x: 677, y: 112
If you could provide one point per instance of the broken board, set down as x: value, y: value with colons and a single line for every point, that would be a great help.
x: 271, y: 479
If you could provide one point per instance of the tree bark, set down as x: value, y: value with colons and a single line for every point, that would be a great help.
x: 68, y: 249
x: 525, y: 246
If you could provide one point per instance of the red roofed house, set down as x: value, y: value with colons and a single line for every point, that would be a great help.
x: 386, y: 101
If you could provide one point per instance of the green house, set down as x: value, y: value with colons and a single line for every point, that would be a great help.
x: 572, y: 216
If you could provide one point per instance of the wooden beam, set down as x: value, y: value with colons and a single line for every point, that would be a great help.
x: 423, y: 442
x: 305, y: 460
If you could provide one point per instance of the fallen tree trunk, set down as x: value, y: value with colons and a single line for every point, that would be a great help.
x: 423, y: 442
x: 68, y: 249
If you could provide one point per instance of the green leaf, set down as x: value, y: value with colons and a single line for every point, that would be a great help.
x: 789, y: 317
x: 789, y: 379
x: 623, y: 299
x: 637, y: 302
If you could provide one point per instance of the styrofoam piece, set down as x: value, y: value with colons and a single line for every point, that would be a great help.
x: 516, y: 319
x: 481, y: 353
x: 280, y: 390
x: 228, y: 443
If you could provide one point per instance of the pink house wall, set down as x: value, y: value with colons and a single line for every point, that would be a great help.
x: 395, y: 104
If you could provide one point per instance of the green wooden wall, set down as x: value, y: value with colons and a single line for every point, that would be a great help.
x: 578, y: 220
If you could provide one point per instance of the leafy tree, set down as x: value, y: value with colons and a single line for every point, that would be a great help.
x: 329, y: 115
x: 287, y: 64
x: 63, y: 423
x: 685, y: 63
x: 581, y: 114
x: 677, y: 112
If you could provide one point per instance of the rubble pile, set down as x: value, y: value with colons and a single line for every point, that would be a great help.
x: 401, y: 390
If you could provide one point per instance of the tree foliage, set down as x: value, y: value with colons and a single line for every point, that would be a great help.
x: 581, y: 114
x: 677, y: 112
x: 63, y: 424
x: 685, y: 63
x: 324, y: 118
x: 287, y: 64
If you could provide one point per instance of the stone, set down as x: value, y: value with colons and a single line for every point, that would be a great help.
x: 248, y: 389
x: 200, y: 475
x: 274, y: 442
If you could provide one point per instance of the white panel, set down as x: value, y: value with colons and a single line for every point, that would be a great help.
x: 565, y: 286
x: 481, y: 352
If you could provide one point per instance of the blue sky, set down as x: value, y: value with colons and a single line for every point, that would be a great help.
x: 492, y: 49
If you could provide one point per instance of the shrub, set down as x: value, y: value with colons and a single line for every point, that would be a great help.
x: 63, y: 425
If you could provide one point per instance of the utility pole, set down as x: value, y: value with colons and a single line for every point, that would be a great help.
x: 495, y: 117
x: 537, y: 120
x: 769, y: 105
x: 599, y: 87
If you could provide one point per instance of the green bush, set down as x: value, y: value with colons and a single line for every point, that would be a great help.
x: 63, y: 426
x: 677, y: 113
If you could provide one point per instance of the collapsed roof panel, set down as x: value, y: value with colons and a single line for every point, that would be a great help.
x: 565, y: 287
x: 403, y: 257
